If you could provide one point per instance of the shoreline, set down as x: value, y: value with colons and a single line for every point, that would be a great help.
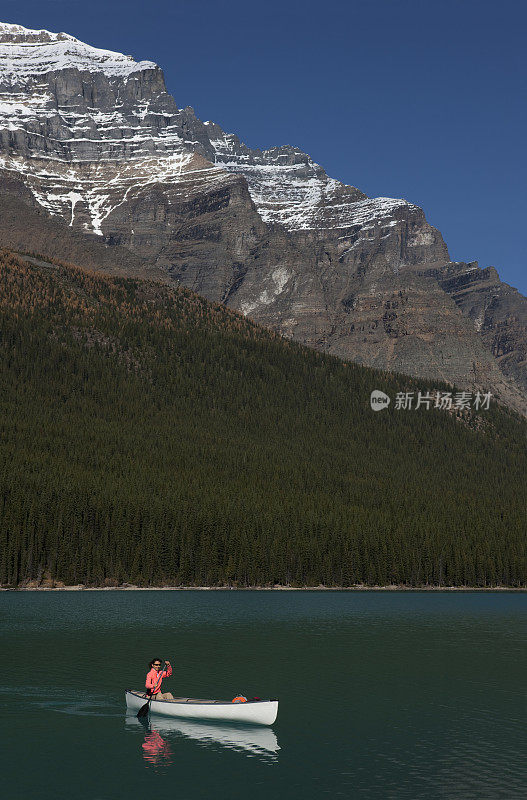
x: 357, y: 588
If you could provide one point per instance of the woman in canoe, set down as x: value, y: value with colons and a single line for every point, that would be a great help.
x: 155, y: 677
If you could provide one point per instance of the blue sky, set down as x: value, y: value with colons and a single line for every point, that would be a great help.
x: 402, y: 98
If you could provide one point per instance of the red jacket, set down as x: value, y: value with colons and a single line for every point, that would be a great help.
x: 154, y: 679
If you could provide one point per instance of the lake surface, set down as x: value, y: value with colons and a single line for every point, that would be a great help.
x: 382, y: 695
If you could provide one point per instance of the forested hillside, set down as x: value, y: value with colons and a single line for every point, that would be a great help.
x: 149, y: 436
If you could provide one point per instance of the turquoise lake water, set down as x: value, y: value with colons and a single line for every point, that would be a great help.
x: 382, y: 695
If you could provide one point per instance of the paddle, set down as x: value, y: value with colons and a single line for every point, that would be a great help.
x: 143, y: 711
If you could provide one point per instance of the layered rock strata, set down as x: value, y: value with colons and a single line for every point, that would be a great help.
x: 92, y: 141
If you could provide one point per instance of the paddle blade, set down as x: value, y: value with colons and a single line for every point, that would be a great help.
x: 143, y: 711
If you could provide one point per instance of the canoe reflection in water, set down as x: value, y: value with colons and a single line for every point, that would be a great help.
x: 160, y: 732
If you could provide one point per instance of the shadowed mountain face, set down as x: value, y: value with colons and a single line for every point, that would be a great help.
x: 92, y: 142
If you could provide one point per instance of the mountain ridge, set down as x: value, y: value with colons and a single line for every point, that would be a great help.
x: 106, y: 149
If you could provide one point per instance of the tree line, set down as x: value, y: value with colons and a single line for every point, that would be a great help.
x: 151, y: 437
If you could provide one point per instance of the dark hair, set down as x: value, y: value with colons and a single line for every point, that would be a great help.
x: 153, y: 661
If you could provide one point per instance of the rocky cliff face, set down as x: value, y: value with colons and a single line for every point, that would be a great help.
x: 497, y: 311
x: 101, y: 149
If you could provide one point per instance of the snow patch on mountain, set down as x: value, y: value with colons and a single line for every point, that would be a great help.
x: 290, y: 189
x: 26, y: 53
x: 64, y: 189
x: 85, y: 154
x: 280, y: 277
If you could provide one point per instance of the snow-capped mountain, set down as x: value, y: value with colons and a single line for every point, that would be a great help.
x: 121, y: 114
x: 92, y: 139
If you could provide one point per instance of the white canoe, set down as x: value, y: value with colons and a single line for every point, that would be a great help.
x: 256, y: 712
